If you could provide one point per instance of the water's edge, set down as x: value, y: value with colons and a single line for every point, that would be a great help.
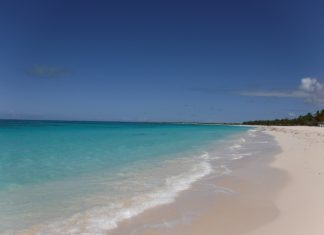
x: 218, y: 160
x: 249, y: 173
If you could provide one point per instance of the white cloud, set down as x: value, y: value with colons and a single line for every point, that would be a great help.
x: 311, y: 85
x: 310, y: 89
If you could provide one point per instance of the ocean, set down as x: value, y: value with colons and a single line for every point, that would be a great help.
x: 86, y: 177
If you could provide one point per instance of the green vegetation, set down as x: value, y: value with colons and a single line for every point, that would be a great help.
x: 305, y: 120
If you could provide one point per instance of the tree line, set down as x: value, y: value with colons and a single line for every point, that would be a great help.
x: 303, y: 120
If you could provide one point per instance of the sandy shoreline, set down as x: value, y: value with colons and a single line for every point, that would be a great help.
x: 283, y: 194
x: 301, y: 202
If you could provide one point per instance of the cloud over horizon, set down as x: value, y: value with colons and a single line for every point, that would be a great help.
x: 46, y: 71
x: 310, y: 89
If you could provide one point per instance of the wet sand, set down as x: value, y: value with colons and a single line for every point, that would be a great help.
x: 277, y: 194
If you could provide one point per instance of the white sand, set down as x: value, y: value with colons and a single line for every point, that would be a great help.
x: 301, y: 202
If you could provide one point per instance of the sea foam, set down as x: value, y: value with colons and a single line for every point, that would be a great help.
x: 100, y: 220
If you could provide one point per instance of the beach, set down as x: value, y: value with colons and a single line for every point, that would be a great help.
x: 300, y: 202
x: 162, y: 117
x: 252, y: 180
x: 278, y: 194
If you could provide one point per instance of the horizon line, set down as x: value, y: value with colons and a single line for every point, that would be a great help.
x: 119, y: 121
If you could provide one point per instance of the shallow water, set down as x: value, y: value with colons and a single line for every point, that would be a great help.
x: 86, y: 177
x: 241, y: 175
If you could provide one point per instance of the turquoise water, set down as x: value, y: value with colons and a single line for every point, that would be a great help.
x: 53, y: 174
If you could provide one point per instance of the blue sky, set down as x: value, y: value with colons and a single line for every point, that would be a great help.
x: 161, y: 60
